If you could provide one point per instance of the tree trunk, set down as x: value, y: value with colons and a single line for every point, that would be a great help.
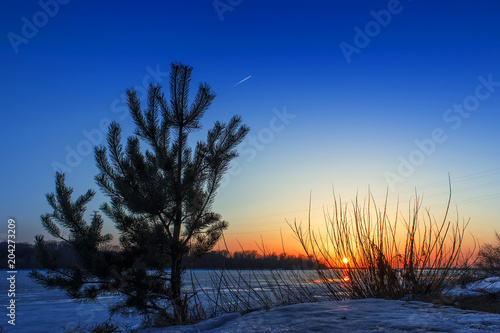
x: 180, y: 315
x: 180, y: 309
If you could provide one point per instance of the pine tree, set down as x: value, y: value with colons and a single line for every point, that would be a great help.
x: 160, y: 202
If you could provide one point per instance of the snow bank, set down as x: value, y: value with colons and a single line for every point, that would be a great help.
x: 349, y: 316
x: 488, y: 285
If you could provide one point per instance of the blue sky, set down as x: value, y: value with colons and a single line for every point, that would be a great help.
x: 319, y: 120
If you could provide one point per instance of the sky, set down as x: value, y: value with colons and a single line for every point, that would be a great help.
x: 341, y: 97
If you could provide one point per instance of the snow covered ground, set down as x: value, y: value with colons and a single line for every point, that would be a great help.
x: 42, y: 310
x: 488, y: 285
x: 367, y: 315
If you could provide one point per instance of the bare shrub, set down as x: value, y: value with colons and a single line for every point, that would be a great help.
x: 488, y: 260
x: 415, y: 256
x: 384, y: 261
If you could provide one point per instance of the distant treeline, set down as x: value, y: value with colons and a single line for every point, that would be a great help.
x: 251, y: 259
x: 26, y: 258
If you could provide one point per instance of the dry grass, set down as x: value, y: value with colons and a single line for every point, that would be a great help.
x: 384, y: 261
x: 246, y: 290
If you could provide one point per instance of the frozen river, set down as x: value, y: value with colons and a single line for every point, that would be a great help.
x: 41, y: 310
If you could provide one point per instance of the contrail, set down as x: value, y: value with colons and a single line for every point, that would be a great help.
x: 243, y: 80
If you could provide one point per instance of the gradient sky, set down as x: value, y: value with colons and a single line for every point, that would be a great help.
x: 350, y: 121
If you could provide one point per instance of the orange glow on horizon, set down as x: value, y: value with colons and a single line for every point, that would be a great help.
x: 285, y: 242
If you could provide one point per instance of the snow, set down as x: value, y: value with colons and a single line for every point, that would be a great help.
x: 42, y: 310
x: 366, y: 315
x: 488, y: 285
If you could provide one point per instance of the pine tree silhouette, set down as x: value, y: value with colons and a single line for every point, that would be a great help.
x: 160, y: 201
